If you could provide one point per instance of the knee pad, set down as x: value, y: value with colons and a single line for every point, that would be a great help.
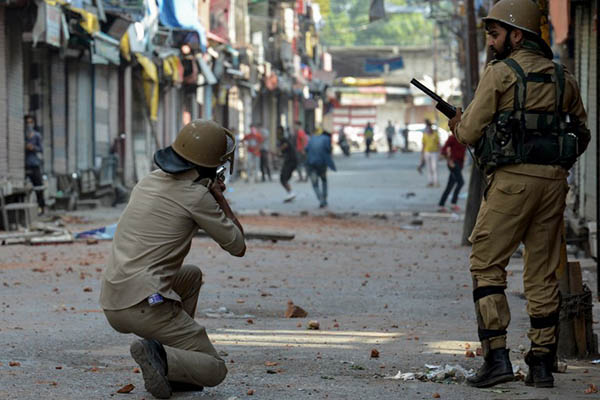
x: 478, y: 294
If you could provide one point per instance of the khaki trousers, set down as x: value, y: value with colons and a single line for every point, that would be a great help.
x: 191, y: 358
x: 518, y: 208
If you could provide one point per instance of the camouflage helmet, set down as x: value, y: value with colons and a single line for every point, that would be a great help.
x: 200, y: 143
x: 522, y: 14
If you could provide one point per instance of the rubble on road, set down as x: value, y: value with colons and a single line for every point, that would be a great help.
x: 314, y: 325
x: 436, y: 373
x: 39, y: 233
x: 223, y: 312
x: 294, y: 311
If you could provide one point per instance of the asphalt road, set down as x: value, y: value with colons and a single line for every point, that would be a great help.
x: 366, y: 273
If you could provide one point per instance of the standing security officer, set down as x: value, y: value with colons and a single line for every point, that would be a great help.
x: 527, y: 124
x: 146, y: 289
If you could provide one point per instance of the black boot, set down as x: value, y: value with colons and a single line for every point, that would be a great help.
x: 496, y: 369
x: 185, y: 387
x: 152, y: 359
x: 540, y: 369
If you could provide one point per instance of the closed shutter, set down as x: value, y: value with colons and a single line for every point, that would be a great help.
x: 58, y: 88
x: 85, y: 128
x: 72, y: 68
x: 581, y: 72
x: 102, y: 102
x: 140, y: 130
x: 15, y: 109
x: 3, y: 99
x: 591, y: 180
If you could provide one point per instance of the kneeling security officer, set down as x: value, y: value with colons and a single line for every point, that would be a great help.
x: 146, y: 288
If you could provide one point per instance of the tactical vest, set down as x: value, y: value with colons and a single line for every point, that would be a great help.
x: 521, y: 136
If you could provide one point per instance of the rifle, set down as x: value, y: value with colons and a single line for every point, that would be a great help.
x: 221, y: 173
x: 445, y: 108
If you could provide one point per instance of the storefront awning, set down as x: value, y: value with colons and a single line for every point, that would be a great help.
x: 206, y: 71
x: 105, y: 49
x: 182, y: 14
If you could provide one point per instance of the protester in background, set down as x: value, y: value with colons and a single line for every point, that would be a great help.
x: 454, y: 152
x: 318, y: 158
x: 253, y: 142
x: 343, y: 142
x: 429, y: 153
x: 390, y: 132
x: 33, y: 162
x: 405, y: 137
x: 368, y: 134
x: 264, y: 155
x: 288, y: 153
x: 301, y: 141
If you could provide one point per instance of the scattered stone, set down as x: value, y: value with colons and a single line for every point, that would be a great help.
x: 591, y: 389
x: 294, y: 311
x: 126, y: 389
x: 314, y: 325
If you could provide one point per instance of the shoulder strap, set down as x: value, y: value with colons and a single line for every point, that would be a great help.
x: 560, y: 87
x: 521, y: 86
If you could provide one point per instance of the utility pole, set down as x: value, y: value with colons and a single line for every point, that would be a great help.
x: 435, y: 67
x: 476, y: 183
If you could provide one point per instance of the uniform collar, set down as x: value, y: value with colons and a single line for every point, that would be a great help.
x: 190, y: 174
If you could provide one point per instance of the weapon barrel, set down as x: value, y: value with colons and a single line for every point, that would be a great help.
x: 445, y: 108
x: 425, y: 90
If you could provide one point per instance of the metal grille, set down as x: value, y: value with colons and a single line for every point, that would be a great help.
x: 591, y: 180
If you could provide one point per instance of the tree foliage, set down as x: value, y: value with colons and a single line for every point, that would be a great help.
x: 348, y: 25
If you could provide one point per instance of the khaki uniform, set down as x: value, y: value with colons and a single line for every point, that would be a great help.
x: 153, y: 236
x: 522, y: 203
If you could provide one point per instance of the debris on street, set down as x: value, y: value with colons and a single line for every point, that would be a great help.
x: 224, y: 312
x: 436, y: 373
x: 294, y: 311
x: 314, y: 325
x: 126, y: 389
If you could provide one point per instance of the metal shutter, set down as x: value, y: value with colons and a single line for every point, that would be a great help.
x: 3, y: 99
x: 591, y: 180
x: 58, y: 87
x: 85, y: 128
x: 14, y: 83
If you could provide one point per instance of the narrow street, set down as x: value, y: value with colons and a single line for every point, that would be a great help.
x: 372, y: 277
x: 377, y: 184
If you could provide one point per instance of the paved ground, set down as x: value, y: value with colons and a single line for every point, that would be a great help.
x: 361, y: 185
x: 372, y: 281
